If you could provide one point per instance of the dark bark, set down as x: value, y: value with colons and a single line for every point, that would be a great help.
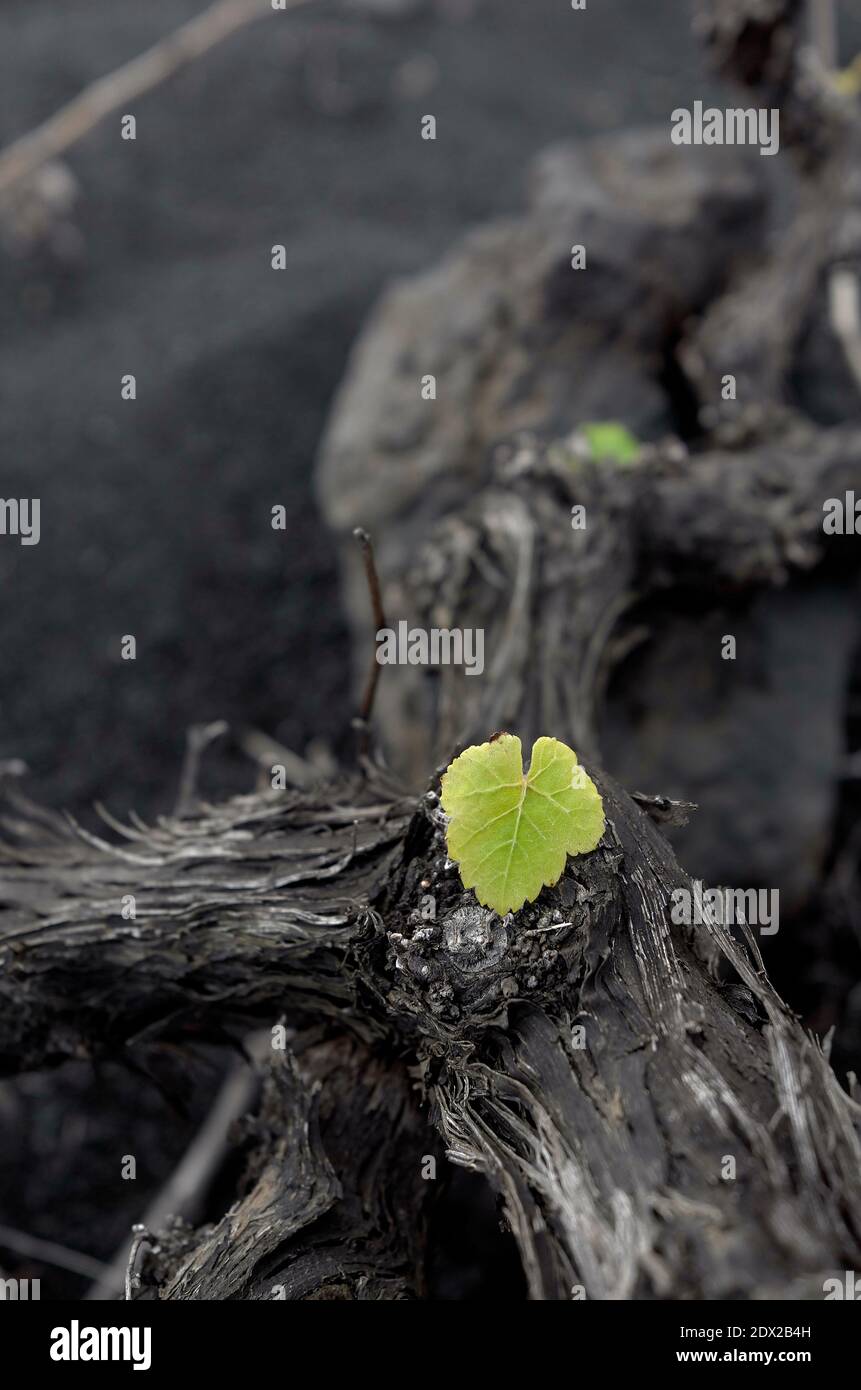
x: 553, y: 601
x: 607, y: 1157
x: 239, y: 908
x: 753, y: 330
x: 334, y: 1202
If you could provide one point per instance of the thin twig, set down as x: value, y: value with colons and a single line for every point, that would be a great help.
x: 373, y: 579
x: 823, y: 31
x: 844, y: 308
x: 266, y: 752
x: 197, y: 740
x: 187, y: 1185
x: 140, y: 1237
x: 33, y: 1247
x: 85, y: 111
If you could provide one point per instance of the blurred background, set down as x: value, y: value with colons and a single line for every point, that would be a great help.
x: 301, y: 129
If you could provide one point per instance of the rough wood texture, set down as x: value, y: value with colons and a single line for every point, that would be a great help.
x: 753, y: 330
x: 333, y: 1206
x: 703, y: 262
x: 516, y: 340
x: 607, y: 1158
x: 551, y: 598
x: 240, y: 906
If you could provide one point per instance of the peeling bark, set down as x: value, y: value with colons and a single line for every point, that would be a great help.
x: 607, y: 1157
x: 243, y: 907
x: 335, y: 1201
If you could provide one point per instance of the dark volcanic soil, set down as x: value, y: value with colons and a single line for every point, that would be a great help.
x: 303, y: 129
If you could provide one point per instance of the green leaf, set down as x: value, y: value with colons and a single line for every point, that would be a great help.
x: 511, y: 832
x: 609, y: 440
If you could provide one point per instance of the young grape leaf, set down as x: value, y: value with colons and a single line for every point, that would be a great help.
x: 596, y: 441
x: 511, y: 832
x: 609, y: 440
